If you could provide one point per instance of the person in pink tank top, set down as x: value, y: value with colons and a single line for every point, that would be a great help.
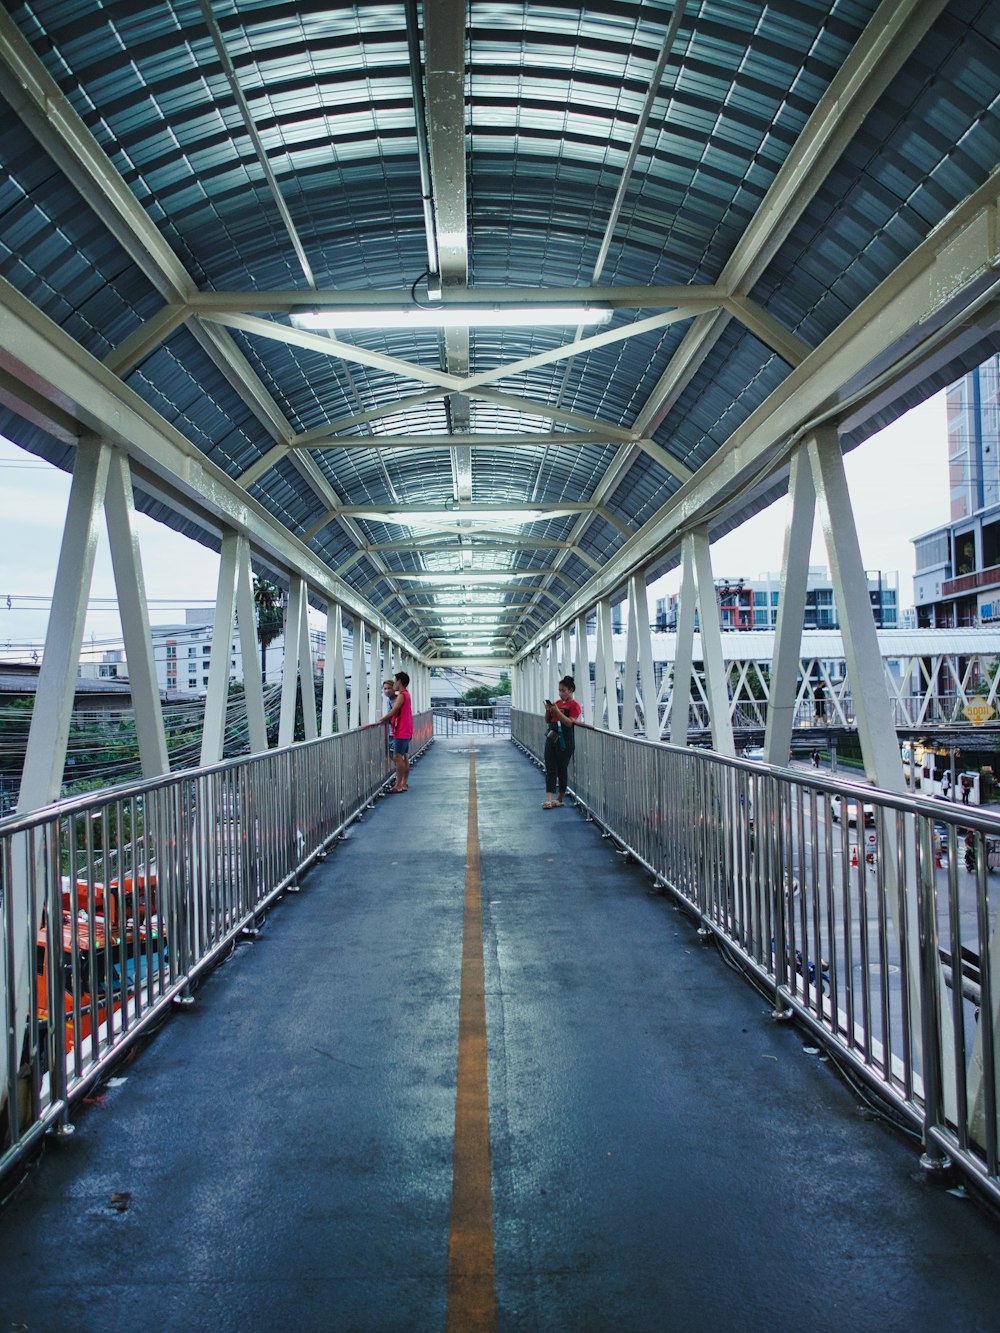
x: 400, y: 719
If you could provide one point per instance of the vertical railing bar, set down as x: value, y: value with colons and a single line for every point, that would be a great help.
x: 957, y: 995
x: 987, y: 1031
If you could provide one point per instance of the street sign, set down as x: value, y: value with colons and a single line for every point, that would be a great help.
x: 978, y: 711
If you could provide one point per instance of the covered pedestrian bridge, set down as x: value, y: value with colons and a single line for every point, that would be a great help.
x: 461, y: 323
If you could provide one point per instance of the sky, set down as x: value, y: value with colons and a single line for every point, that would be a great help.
x: 898, y: 482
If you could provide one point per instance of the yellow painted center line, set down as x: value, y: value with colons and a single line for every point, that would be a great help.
x: 471, y: 1286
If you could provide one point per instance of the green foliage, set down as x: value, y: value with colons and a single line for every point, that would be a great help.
x: 503, y: 686
x: 754, y: 687
x: 478, y: 694
x: 268, y: 600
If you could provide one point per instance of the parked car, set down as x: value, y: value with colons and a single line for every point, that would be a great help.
x: 867, y: 811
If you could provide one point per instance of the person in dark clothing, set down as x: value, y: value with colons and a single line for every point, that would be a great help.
x: 819, y: 699
x: 561, y: 720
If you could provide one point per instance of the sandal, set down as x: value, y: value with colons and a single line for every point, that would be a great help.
x: 549, y: 805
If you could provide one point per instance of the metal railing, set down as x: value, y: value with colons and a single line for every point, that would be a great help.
x: 870, y: 916
x: 113, y: 903
x: 472, y: 720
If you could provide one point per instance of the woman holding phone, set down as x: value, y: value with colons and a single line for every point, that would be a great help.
x: 561, y: 719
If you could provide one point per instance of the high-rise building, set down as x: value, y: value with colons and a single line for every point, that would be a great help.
x: 957, y: 580
x: 973, y: 432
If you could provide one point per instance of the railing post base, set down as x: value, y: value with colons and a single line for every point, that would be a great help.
x: 296, y: 888
x: 62, y: 1131
x: 935, y: 1163
x: 704, y: 934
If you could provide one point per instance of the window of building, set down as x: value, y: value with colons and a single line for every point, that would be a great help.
x: 965, y: 553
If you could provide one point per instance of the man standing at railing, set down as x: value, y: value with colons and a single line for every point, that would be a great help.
x: 400, y: 720
x: 560, y: 741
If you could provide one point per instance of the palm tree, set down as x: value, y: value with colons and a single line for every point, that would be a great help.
x: 269, y: 602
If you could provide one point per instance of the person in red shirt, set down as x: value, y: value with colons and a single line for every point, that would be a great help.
x: 400, y: 719
x: 560, y: 741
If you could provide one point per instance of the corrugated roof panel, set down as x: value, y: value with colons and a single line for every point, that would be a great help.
x: 706, y: 412
x: 189, y: 392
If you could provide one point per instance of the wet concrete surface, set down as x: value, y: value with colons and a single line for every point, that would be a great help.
x: 664, y: 1155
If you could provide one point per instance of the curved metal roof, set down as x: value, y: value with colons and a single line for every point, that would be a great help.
x: 756, y: 195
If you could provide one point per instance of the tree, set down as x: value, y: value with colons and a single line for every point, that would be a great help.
x: 268, y: 600
x: 503, y: 686
x: 477, y: 694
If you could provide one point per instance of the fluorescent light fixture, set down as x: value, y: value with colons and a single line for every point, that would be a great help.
x: 446, y: 316
x: 416, y: 517
x: 461, y: 576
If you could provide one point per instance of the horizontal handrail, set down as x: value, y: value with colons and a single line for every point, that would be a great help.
x: 848, y: 903
x: 114, y: 902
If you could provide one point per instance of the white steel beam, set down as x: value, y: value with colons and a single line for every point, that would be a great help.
x: 639, y: 597
x: 786, y: 662
x: 607, y: 669
x: 357, y: 669
x: 630, y: 696
x: 307, y: 670
x: 296, y: 663
x: 213, y: 731
x: 566, y: 654
x: 375, y: 678
x: 126, y: 558
x: 680, y: 695
x: 335, y: 715
x: 876, y: 732
x: 45, y: 756
x: 716, y: 684
x: 693, y: 298
x: 581, y: 667
x: 246, y: 616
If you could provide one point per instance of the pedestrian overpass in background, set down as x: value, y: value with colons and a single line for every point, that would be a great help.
x: 462, y: 323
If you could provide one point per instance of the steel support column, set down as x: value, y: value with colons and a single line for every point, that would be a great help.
x: 357, y: 669
x: 335, y: 706
x: 786, y: 661
x: 126, y: 558
x: 639, y: 597
x: 680, y: 695
x: 246, y: 617
x: 606, y: 694
x: 716, y: 684
x: 581, y: 669
x: 213, y: 727
x: 45, y: 756
x: 375, y: 677
x: 298, y: 663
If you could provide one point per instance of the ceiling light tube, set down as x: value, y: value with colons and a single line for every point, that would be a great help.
x: 452, y: 317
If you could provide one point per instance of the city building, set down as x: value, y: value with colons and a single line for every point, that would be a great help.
x: 753, y: 603
x: 957, y: 579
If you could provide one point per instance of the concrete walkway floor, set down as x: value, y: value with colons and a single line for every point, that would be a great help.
x: 662, y: 1155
